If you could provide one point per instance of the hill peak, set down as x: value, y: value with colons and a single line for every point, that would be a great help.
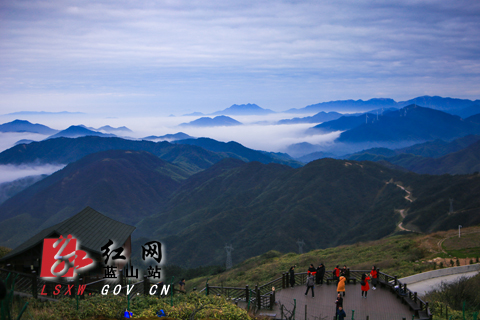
x: 245, y: 109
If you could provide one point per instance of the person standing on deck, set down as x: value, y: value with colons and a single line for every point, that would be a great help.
x: 310, y: 284
x: 338, y: 303
x: 311, y: 270
x: 365, y: 285
x: 341, y: 285
x: 291, y: 276
x: 374, y: 275
x: 320, y: 273
x: 341, y: 314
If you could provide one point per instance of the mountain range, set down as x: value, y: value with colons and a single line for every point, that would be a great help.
x: 169, y: 137
x: 244, y: 109
x: 218, y: 121
x: 394, y: 129
x: 26, y: 126
x: 460, y: 107
x: 79, y: 131
x: 256, y: 207
x: 437, y: 157
x: 317, y: 118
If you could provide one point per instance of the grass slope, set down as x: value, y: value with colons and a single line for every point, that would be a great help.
x: 400, y: 255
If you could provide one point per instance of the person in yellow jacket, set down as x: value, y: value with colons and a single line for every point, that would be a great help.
x: 341, y: 285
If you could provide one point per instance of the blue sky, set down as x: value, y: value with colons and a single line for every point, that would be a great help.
x: 174, y: 57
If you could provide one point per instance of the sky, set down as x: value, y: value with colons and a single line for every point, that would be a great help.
x: 174, y: 57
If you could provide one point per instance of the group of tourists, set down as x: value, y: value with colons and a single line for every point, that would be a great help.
x: 342, y: 276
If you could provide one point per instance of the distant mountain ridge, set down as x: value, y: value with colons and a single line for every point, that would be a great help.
x: 46, y: 113
x: 411, y: 123
x: 235, y: 150
x: 26, y: 126
x: 317, y: 118
x: 108, y: 128
x: 244, y: 109
x: 170, y: 137
x: 347, y: 105
x: 461, y: 107
x: 218, y: 121
x: 191, y: 153
x: 79, y: 131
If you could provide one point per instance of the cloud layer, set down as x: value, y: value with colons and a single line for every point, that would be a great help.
x: 168, y: 56
x: 11, y: 172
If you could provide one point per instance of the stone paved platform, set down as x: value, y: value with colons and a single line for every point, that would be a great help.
x: 380, y: 304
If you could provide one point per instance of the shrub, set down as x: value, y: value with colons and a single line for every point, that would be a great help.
x: 454, y: 294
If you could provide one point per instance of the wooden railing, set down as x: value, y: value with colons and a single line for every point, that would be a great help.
x: 32, y: 285
x: 263, y: 297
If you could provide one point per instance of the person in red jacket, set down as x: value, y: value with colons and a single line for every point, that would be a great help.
x: 311, y: 270
x: 336, y: 273
x: 365, y: 285
x: 374, y: 275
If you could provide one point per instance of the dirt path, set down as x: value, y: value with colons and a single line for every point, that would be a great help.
x: 408, y: 197
x: 440, y: 242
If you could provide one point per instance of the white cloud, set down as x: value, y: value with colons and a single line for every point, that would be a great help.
x: 8, y: 139
x: 282, y: 54
x: 12, y: 172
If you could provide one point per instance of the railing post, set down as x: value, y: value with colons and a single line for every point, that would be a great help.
x: 34, y: 284
x: 146, y: 285
x: 120, y: 277
x: 415, y: 297
x: 396, y: 280
x: 259, y: 302
x: 405, y: 287
x: 283, y: 280
x: 206, y: 290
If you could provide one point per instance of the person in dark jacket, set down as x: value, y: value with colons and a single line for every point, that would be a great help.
x: 320, y: 273
x: 343, y: 271
x: 341, y: 314
x: 374, y: 275
x: 311, y: 270
x: 291, y: 276
x: 338, y: 302
x: 310, y: 284
x: 181, y: 285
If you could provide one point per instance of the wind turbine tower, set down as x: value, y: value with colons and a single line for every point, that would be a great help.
x: 229, y: 249
x: 300, y: 244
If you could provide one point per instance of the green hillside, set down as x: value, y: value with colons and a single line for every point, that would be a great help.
x: 400, y: 255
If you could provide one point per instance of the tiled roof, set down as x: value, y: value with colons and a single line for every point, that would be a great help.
x: 90, y: 227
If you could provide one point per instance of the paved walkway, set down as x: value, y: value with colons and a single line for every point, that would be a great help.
x: 423, y: 287
x: 381, y: 304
